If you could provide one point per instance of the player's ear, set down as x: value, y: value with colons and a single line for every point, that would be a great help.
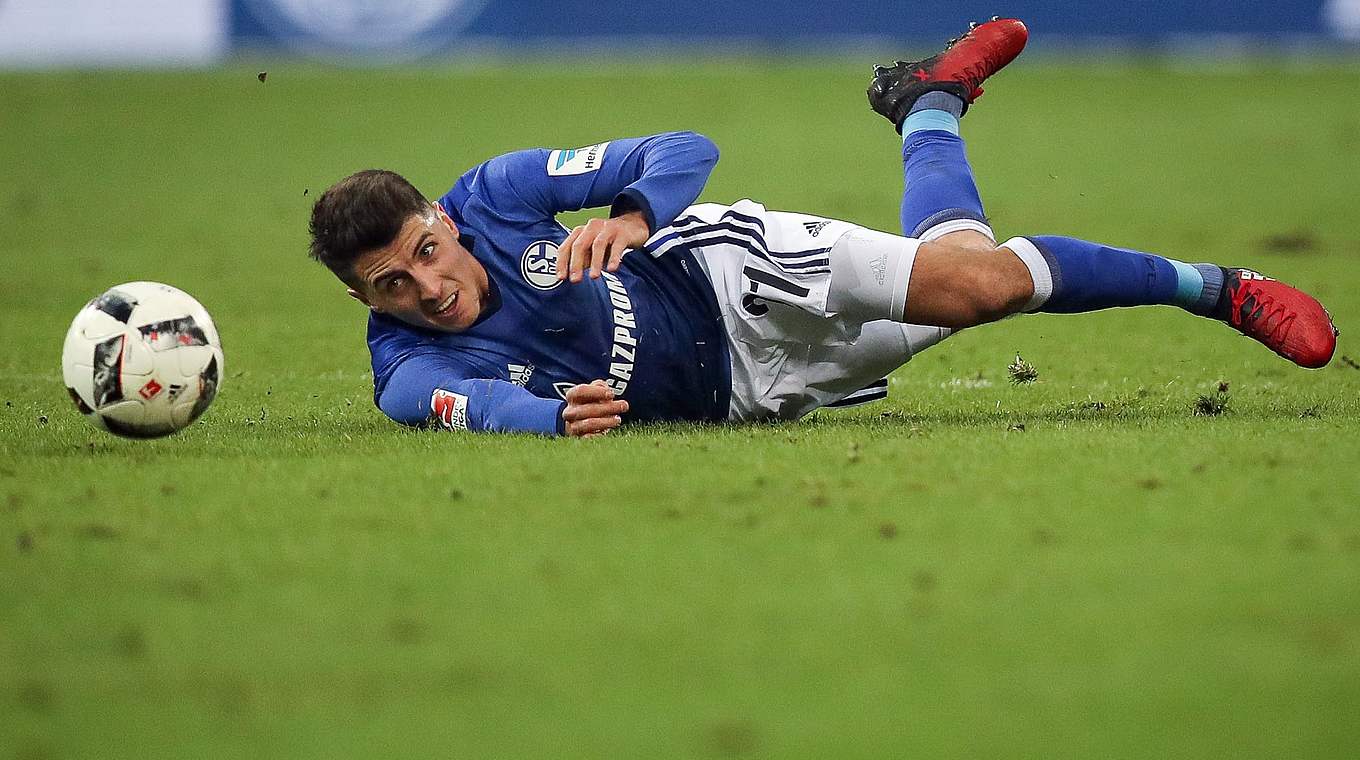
x: 442, y: 215
x: 356, y: 295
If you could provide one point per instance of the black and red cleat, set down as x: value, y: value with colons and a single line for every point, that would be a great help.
x: 1287, y: 320
x: 959, y: 70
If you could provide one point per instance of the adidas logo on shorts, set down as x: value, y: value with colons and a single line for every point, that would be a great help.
x: 815, y: 227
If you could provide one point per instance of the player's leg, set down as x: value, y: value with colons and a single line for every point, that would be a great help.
x: 951, y: 282
x: 957, y: 287
x: 960, y: 287
x: 924, y: 100
x: 940, y: 196
x: 1069, y: 276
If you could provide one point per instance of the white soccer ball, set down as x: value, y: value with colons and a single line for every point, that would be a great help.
x: 142, y: 360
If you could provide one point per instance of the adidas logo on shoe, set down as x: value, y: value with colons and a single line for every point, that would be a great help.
x: 815, y: 227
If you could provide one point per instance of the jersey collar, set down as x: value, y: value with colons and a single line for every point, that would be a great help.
x: 493, y: 301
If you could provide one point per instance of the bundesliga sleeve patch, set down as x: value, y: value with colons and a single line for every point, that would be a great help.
x: 562, y: 163
x: 449, y: 409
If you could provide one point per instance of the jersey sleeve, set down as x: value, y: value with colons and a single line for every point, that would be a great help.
x: 658, y: 175
x: 428, y: 390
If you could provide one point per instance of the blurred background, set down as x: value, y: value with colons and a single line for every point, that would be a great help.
x: 202, y: 32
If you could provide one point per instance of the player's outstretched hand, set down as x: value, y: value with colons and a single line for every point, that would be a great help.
x: 600, y: 244
x: 592, y: 410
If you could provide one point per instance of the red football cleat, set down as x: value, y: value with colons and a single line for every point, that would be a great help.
x: 1287, y: 320
x: 960, y: 69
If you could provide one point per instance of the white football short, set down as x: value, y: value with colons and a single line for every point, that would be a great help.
x: 771, y: 272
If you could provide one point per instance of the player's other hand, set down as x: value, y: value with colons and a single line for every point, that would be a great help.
x: 599, y: 245
x: 592, y: 410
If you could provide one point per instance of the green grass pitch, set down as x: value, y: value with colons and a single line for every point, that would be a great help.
x: 1077, y: 567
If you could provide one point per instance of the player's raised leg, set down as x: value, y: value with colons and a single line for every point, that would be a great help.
x: 924, y: 100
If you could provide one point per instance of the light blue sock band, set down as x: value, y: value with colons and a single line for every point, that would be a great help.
x: 1189, y: 284
x: 930, y: 119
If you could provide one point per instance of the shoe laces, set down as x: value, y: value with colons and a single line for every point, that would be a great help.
x: 1264, y: 314
x: 977, y: 72
x: 980, y: 69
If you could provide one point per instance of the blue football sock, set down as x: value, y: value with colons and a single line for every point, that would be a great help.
x: 1073, y: 275
x: 940, y: 195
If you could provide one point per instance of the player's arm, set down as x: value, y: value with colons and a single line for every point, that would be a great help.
x: 429, y: 390
x: 645, y: 181
x: 674, y: 169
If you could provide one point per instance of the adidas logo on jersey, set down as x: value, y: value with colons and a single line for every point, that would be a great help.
x: 815, y: 227
x: 520, y: 373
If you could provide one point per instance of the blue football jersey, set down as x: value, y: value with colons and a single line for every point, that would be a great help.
x: 652, y: 330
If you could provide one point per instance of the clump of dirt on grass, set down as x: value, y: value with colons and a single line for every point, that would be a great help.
x: 1021, y: 371
x: 1213, y: 404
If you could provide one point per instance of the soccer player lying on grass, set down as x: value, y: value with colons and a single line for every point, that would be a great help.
x: 488, y: 315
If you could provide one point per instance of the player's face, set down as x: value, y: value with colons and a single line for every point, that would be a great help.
x: 424, y: 277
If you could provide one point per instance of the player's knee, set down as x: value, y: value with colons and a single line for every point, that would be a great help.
x: 968, y: 240
x: 995, y: 289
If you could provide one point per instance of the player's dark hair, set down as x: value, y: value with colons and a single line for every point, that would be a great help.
x: 361, y: 213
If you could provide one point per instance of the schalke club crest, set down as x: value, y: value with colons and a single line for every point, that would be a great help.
x: 539, y: 265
